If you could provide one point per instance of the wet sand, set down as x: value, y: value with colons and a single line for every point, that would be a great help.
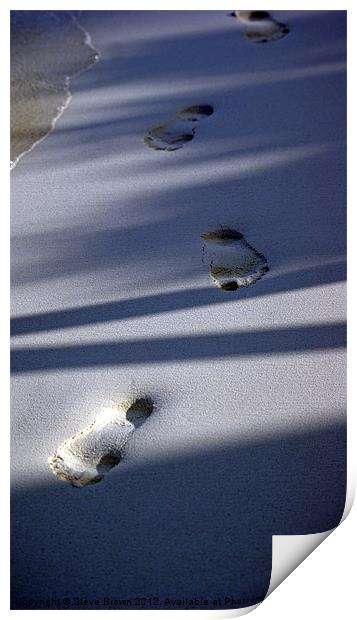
x: 47, y: 49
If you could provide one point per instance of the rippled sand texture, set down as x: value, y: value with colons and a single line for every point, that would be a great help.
x: 47, y: 49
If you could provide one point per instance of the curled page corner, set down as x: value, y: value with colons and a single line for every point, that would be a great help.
x: 288, y: 552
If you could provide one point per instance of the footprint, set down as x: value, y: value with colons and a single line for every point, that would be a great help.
x: 174, y: 134
x: 87, y: 456
x: 233, y: 263
x: 260, y: 26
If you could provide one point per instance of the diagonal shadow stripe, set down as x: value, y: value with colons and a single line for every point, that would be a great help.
x: 182, y: 348
x: 172, y: 301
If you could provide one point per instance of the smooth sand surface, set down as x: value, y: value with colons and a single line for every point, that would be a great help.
x: 111, y: 299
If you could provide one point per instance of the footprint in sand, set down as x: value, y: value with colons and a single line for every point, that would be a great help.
x: 233, y: 263
x: 87, y: 456
x: 260, y: 26
x: 175, y: 133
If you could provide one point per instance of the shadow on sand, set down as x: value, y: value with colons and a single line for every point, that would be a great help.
x: 317, y: 337
x: 194, y: 525
x: 172, y: 301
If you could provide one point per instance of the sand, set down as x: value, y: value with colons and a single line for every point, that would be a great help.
x: 111, y: 300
